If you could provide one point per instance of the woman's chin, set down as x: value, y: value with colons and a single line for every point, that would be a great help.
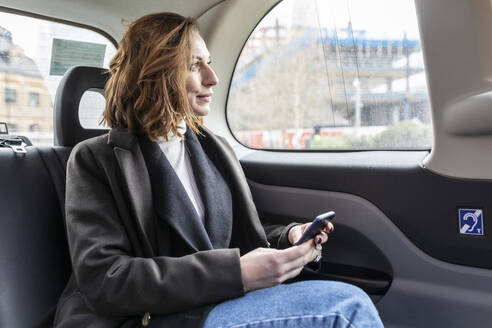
x: 201, y: 111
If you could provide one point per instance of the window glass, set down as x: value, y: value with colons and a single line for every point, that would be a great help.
x: 34, y: 55
x: 33, y: 99
x: 91, y: 108
x: 338, y: 74
x: 10, y: 96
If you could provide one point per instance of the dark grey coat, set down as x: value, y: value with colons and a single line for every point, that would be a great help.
x: 110, y: 215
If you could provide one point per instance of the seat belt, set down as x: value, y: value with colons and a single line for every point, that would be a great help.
x: 16, y: 143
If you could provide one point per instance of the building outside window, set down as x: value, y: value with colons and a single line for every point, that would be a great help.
x: 332, y: 75
x: 10, y: 96
x: 33, y: 99
x: 32, y: 65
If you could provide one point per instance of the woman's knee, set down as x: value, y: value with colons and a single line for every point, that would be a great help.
x: 330, y: 291
x: 348, y: 301
x: 308, y: 299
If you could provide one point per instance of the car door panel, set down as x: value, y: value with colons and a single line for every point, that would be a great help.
x: 372, y: 233
x: 423, y: 205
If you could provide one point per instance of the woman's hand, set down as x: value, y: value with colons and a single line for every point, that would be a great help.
x: 267, y: 267
x: 296, y: 232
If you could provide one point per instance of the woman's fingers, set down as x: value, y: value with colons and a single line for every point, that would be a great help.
x: 298, y: 256
x: 292, y: 273
x: 321, y: 238
x: 295, y: 233
x: 297, y: 265
x: 329, y: 228
x: 265, y: 267
x: 294, y: 252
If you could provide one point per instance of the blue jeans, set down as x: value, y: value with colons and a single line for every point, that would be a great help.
x: 310, y: 304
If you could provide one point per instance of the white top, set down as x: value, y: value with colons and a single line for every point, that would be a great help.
x: 175, y: 150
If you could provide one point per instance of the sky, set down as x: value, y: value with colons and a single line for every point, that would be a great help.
x: 381, y: 19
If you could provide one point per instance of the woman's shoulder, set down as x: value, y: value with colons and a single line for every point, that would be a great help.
x: 215, y: 137
x: 92, y: 145
x: 94, y: 151
x: 100, y: 151
x: 116, y: 137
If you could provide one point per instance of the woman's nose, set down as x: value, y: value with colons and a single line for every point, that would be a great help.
x: 210, y: 78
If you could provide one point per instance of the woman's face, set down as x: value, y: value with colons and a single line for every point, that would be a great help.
x: 201, y: 78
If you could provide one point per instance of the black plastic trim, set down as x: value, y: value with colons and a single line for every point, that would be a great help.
x: 423, y: 205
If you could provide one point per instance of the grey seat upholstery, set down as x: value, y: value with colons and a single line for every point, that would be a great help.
x: 34, y: 258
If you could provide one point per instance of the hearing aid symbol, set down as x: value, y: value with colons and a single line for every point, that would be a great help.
x: 471, y: 221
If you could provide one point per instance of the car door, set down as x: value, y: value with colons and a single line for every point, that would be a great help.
x: 410, y: 212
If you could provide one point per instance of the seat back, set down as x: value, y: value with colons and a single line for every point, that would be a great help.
x: 34, y: 258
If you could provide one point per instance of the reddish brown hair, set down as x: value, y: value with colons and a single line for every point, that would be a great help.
x: 146, y: 90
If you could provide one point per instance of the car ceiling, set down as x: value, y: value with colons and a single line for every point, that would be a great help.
x: 107, y: 15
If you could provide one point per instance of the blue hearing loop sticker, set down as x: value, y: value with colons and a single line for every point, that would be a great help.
x: 471, y: 221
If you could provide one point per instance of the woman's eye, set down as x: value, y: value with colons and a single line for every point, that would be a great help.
x: 195, y: 66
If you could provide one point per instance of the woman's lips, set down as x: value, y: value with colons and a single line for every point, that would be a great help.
x: 205, y: 98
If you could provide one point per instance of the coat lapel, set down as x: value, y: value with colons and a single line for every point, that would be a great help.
x: 247, y: 231
x: 136, y: 182
x: 214, y: 192
x: 171, y: 201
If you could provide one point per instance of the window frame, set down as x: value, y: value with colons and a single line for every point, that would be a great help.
x: 31, y: 95
x: 416, y: 149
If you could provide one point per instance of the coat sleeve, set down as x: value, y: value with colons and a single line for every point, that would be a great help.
x: 115, y: 282
x: 278, y: 235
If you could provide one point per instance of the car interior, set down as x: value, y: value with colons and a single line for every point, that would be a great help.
x: 410, y: 225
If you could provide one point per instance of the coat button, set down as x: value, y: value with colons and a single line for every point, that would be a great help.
x: 146, y: 319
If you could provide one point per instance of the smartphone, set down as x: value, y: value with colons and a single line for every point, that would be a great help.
x: 316, y: 227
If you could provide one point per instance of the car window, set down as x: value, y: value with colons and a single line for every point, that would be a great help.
x: 341, y: 74
x: 34, y: 55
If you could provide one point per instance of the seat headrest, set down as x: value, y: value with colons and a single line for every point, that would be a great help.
x: 77, y: 80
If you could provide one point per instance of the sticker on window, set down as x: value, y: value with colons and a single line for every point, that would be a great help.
x: 68, y: 53
x: 471, y: 221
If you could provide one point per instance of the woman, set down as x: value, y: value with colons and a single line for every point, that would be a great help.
x: 161, y: 225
